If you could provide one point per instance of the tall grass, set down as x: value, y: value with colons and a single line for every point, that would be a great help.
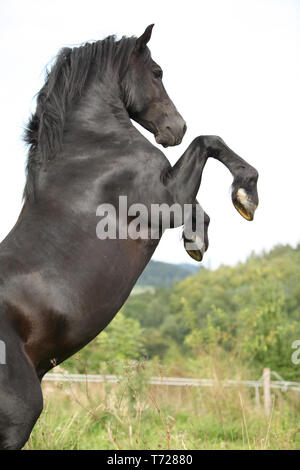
x: 136, y: 415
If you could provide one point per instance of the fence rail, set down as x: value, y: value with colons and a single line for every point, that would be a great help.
x: 172, y: 381
x: 264, y: 382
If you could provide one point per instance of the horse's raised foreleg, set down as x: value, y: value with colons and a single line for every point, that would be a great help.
x: 183, y: 181
x: 195, y: 232
x: 184, y: 178
x: 244, y: 186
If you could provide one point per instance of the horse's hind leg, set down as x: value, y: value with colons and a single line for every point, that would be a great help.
x: 21, y: 400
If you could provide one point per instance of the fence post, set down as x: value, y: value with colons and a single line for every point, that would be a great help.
x: 267, y: 391
x: 257, y: 400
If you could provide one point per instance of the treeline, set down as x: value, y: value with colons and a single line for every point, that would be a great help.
x: 165, y: 274
x: 249, y: 312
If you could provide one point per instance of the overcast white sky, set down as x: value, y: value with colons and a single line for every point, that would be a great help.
x: 231, y: 67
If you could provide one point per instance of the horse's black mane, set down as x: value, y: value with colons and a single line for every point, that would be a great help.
x: 64, y: 83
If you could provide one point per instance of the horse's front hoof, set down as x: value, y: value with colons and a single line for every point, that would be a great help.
x: 244, y: 204
x: 195, y: 247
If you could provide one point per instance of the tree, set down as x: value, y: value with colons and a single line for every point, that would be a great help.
x: 119, y: 343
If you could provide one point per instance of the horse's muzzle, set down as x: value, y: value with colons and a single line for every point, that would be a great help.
x: 170, y: 137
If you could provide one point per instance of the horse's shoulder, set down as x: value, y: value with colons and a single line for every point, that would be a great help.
x: 152, y: 154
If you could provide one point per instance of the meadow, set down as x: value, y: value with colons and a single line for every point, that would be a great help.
x: 135, y: 415
x: 229, y: 323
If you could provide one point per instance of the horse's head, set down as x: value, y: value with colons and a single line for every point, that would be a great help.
x: 146, y: 99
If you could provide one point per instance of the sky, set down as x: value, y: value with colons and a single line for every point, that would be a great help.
x: 232, y: 69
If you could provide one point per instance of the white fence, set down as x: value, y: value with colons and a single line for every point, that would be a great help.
x: 264, y: 382
x: 172, y: 381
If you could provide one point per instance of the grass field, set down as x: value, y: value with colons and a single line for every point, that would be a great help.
x: 135, y: 415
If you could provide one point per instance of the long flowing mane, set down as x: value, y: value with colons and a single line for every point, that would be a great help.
x: 64, y: 83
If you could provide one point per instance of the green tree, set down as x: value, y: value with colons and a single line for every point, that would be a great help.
x: 120, y: 342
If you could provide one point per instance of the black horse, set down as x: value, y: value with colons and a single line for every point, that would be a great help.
x: 59, y: 284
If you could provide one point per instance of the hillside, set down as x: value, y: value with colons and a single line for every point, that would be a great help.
x: 165, y: 274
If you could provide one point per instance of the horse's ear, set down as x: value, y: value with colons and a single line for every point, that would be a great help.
x: 142, y: 41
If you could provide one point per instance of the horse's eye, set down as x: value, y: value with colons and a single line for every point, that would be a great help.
x: 157, y: 73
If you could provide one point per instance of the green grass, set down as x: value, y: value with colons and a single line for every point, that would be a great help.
x: 134, y: 415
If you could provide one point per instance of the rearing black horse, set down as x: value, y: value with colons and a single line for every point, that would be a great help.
x: 59, y: 284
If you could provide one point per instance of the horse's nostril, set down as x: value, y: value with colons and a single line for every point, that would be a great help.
x: 184, y: 129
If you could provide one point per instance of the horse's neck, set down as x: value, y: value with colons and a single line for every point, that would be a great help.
x: 101, y: 112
